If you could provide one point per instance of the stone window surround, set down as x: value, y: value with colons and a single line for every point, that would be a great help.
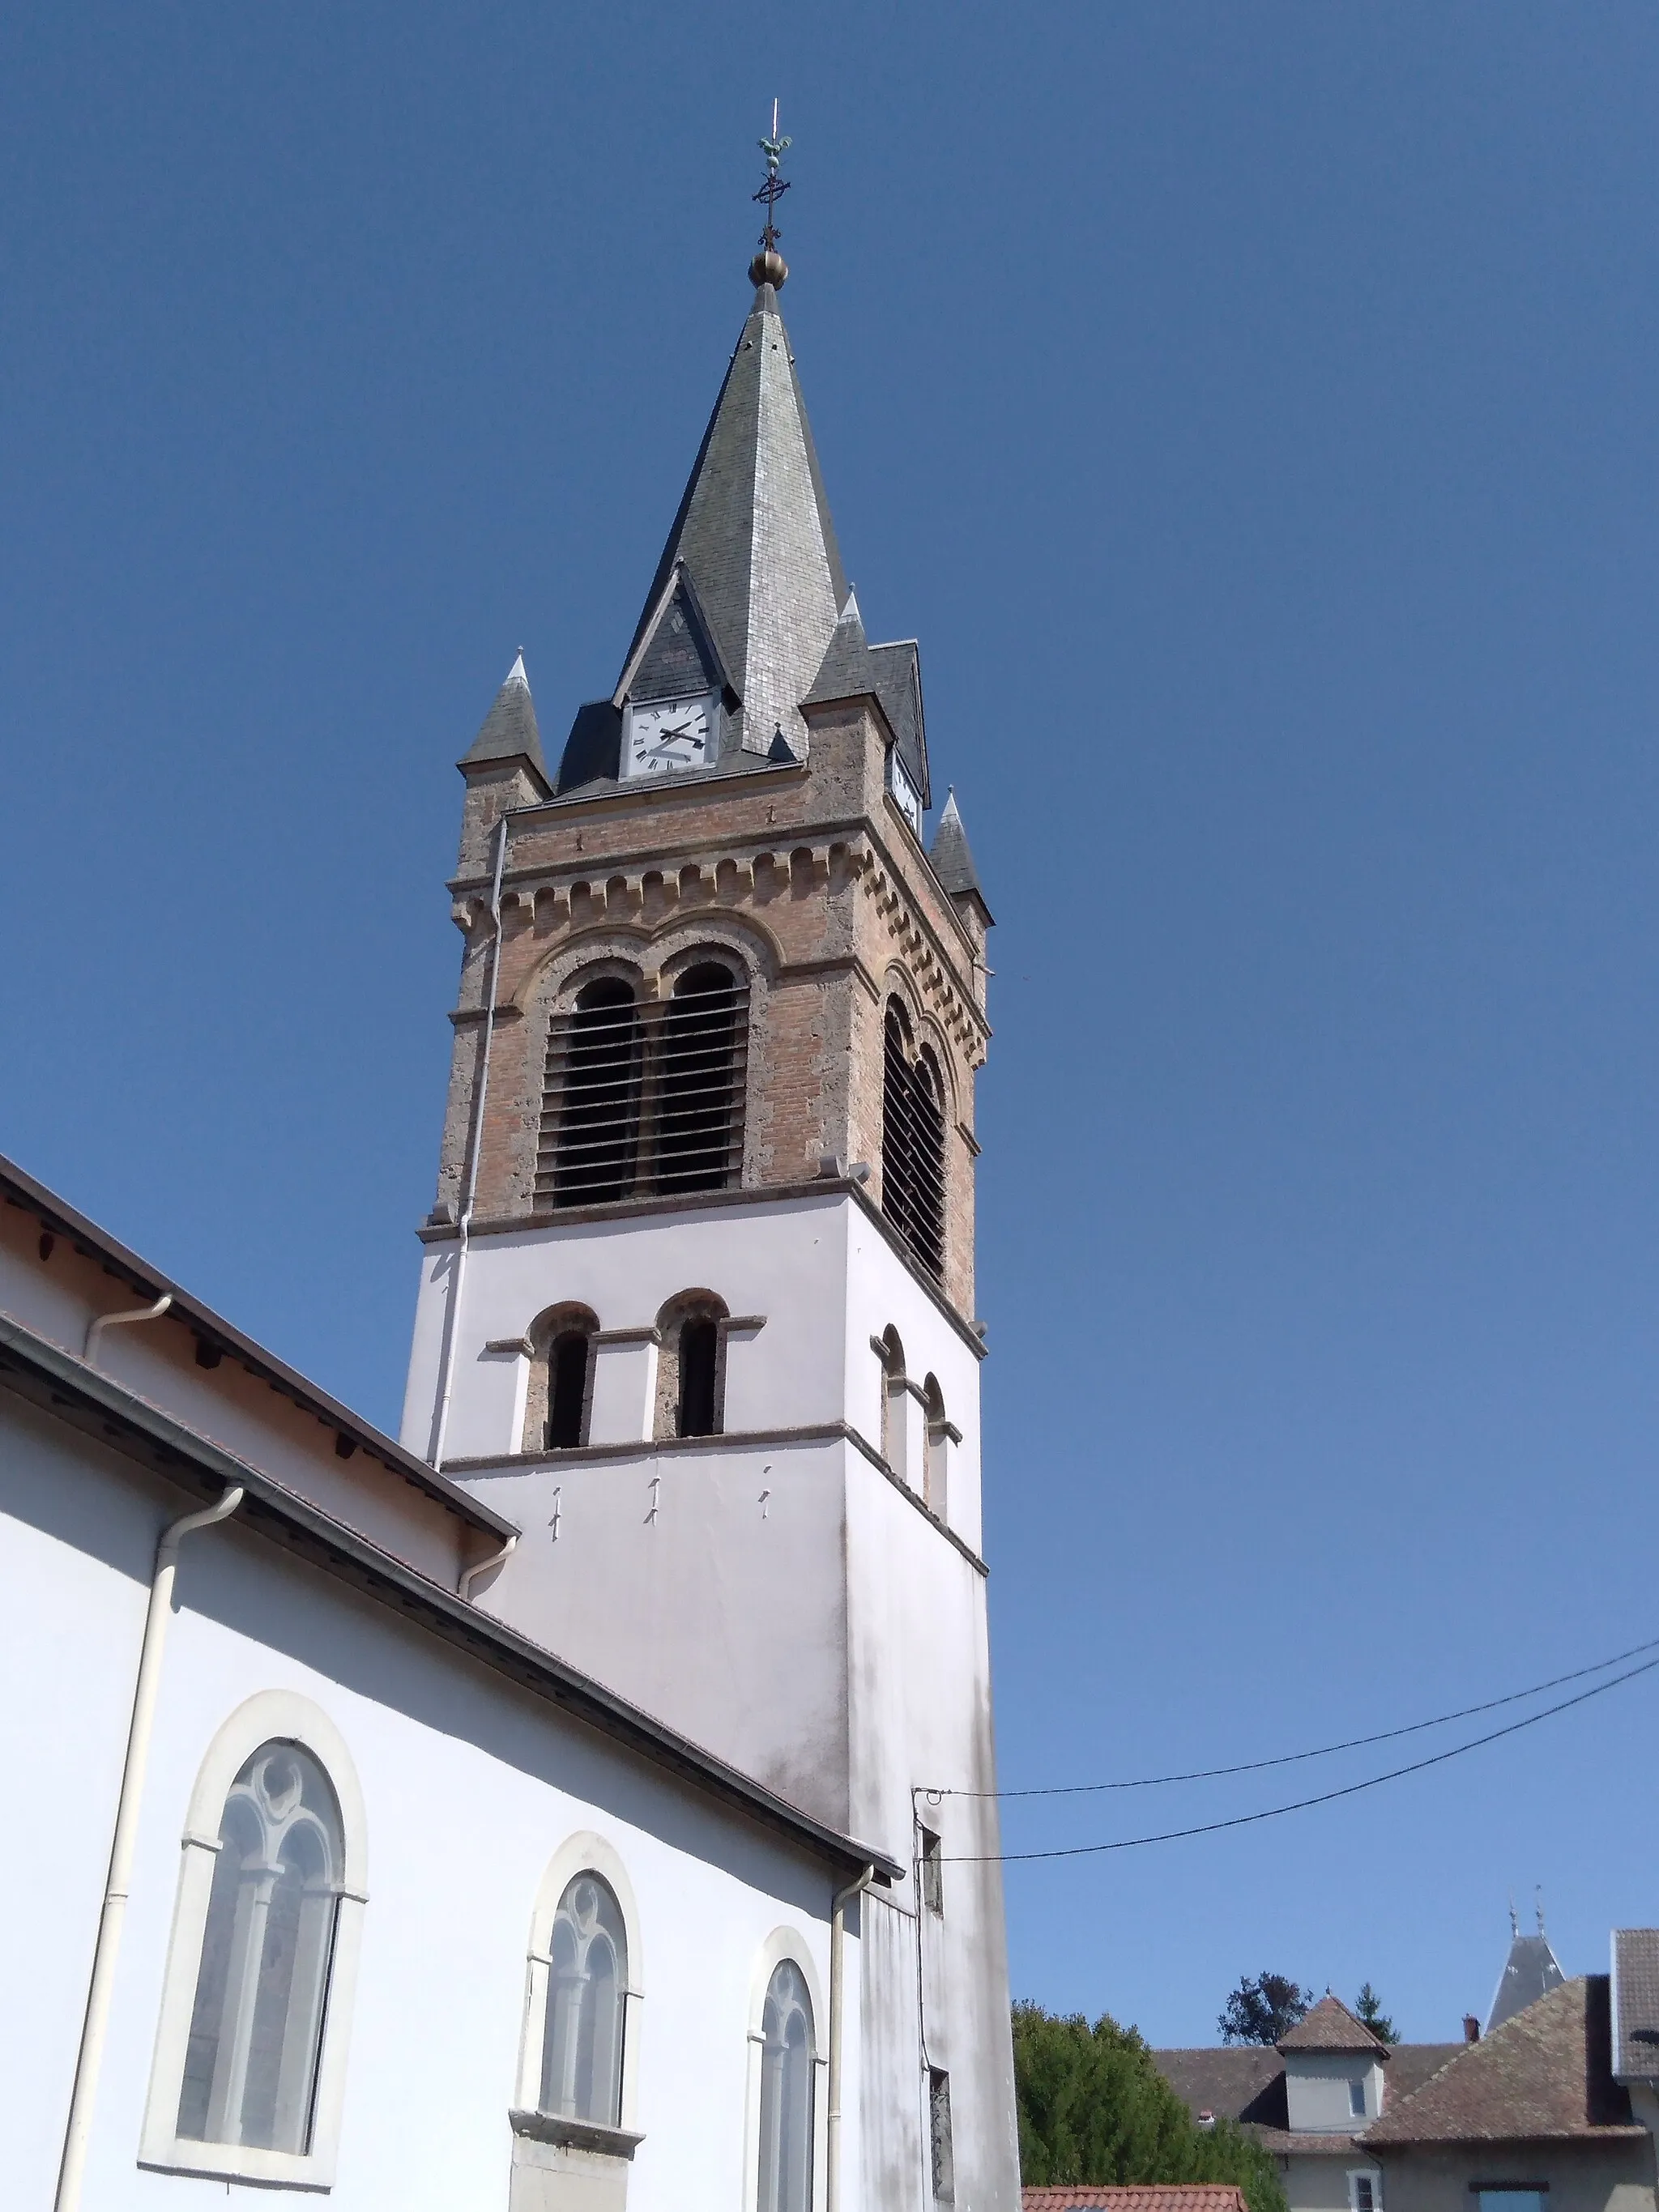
x: 786, y: 1943
x: 284, y: 1716
x: 583, y: 1852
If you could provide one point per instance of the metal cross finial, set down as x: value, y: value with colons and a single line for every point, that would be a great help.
x: 776, y: 186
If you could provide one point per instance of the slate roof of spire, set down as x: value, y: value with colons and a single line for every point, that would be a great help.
x: 754, y: 534
x: 1529, y: 1973
x: 951, y: 855
x: 509, y: 731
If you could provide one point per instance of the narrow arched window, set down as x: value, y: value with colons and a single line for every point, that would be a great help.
x: 589, y: 1135
x: 567, y: 1358
x: 940, y: 1436
x: 913, y: 1142
x: 700, y: 1071
x: 700, y: 1352
x: 582, y: 2046
x: 692, y: 1366
x: 256, y: 2029
x: 787, y: 2052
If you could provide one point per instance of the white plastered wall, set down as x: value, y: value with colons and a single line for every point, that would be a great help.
x: 469, y: 1786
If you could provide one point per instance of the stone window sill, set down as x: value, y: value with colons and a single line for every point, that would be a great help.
x: 575, y: 2134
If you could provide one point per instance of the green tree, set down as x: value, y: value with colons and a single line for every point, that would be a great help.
x: 1093, y: 2107
x: 1263, y: 2009
x: 1368, y: 2007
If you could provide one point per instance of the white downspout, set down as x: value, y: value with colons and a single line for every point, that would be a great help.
x: 83, y: 2095
x: 469, y: 1575
x: 452, y: 1318
x: 95, y: 1328
x: 838, y: 1907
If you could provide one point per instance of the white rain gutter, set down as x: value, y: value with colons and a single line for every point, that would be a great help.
x: 838, y: 1907
x: 95, y: 1328
x: 452, y: 1317
x: 469, y: 1575
x: 77, y: 2133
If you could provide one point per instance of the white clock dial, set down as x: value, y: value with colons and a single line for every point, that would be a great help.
x: 668, y: 734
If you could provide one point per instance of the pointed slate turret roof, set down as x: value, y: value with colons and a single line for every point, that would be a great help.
x: 853, y: 669
x: 754, y: 535
x: 952, y: 857
x: 1530, y: 1971
x: 509, y: 731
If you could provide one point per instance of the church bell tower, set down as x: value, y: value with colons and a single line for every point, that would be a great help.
x: 696, y: 1304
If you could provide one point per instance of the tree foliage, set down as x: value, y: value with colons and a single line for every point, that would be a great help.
x: 1368, y: 2007
x: 1093, y: 2107
x: 1262, y: 2009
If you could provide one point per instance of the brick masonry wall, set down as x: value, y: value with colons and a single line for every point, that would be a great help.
x: 810, y: 875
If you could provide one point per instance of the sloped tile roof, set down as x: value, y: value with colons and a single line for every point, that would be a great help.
x: 1544, y: 2075
x: 1137, y: 2196
x: 1636, y: 2003
x: 1245, y: 2082
x: 1331, y: 2026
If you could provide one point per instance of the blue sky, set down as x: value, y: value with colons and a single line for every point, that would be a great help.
x: 1250, y: 410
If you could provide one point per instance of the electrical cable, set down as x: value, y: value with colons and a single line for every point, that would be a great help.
x: 1324, y: 1751
x: 1302, y: 1804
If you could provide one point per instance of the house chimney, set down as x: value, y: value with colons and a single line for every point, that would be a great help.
x: 1471, y: 2028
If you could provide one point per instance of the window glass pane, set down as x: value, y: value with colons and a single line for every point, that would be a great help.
x: 786, y: 2119
x: 1513, y: 2200
x: 587, y: 1985
x: 262, y: 1986
x: 1357, y: 2099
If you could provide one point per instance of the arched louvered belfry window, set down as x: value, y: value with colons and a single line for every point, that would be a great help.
x: 913, y: 1142
x: 700, y: 1064
x: 590, y: 1138
x: 582, y: 2046
x: 256, y: 2028
x: 788, y: 2049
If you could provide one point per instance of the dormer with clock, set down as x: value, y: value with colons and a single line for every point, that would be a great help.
x: 674, y: 698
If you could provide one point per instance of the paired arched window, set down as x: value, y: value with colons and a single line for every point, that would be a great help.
x: 788, y: 2051
x: 587, y: 1991
x: 913, y: 1141
x: 256, y: 2028
x: 643, y: 1097
x: 692, y: 1366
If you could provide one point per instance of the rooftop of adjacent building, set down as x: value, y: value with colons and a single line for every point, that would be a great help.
x: 1137, y: 2196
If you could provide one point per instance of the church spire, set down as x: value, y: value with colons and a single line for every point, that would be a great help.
x: 753, y: 533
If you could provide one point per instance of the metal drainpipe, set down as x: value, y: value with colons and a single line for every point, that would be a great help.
x: 95, y: 1328
x: 838, y: 1907
x: 452, y: 1319
x: 83, y: 2095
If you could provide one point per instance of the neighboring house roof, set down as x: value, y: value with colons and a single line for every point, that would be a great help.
x: 1139, y: 2196
x: 1544, y: 2075
x: 1331, y: 2026
x: 1636, y: 2003
x: 1245, y: 2082
x: 1529, y: 1973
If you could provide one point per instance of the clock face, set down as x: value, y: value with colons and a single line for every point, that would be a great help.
x: 670, y: 734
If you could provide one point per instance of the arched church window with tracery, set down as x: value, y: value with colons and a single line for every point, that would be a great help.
x: 256, y: 2028
x: 644, y: 1095
x: 586, y: 1990
x: 788, y: 2051
x: 913, y: 1141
